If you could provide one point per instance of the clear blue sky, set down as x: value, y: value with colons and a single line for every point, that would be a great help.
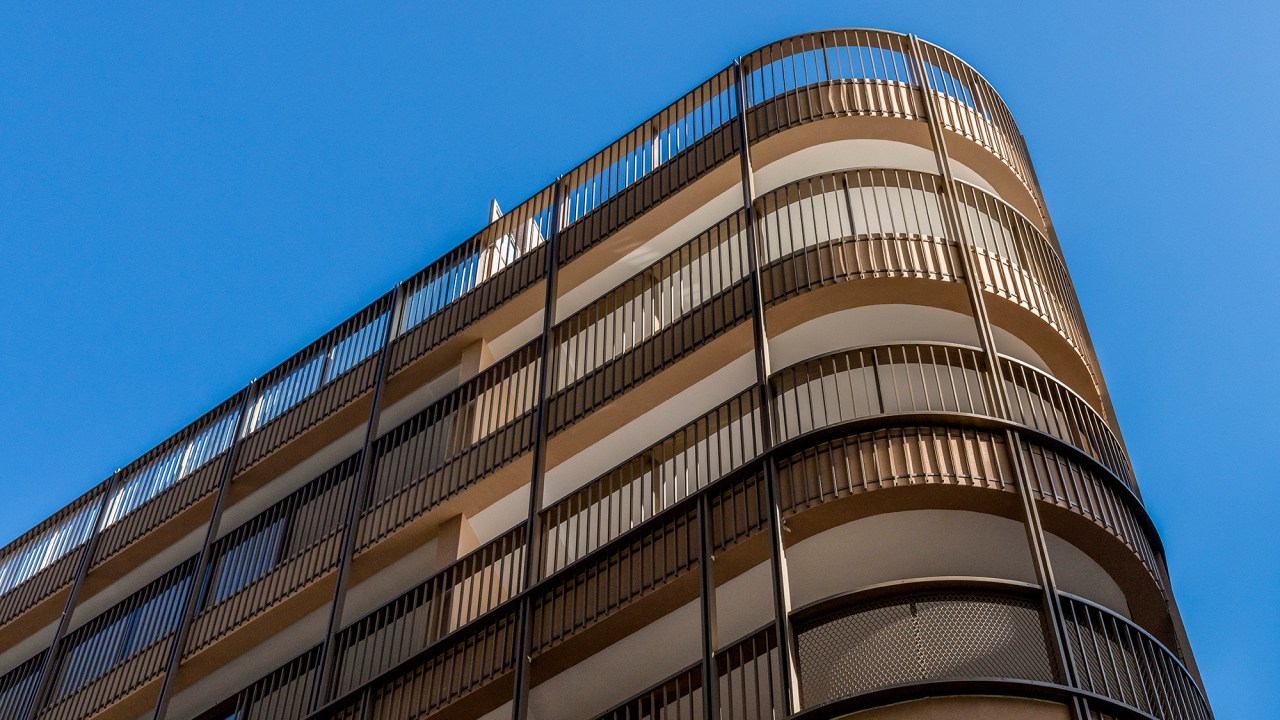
x: 187, y: 196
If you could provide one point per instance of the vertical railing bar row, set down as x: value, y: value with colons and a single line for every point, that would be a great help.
x: 1017, y: 261
x: 168, y: 479
x: 313, y: 384
x: 855, y: 224
x: 430, y: 613
x: 1059, y: 480
x: 879, y: 380
x: 658, y: 316
x: 493, y: 266
x: 271, y: 556
x: 43, y: 560
x: 895, y: 457
x: 18, y: 687
x: 747, y: 679
x: 829, y: 74
x: 417, y: 687
x: 661, y: 156
x: 118, y: 651
x: 1119, y: 660
x: 280, y: 695
x: 1041, y: 402
x: 451, y: 445
x: 973, y: 109
x: 647, y: 484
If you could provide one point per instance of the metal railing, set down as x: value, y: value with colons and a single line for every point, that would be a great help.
x: 1116, y: 659
x: 830, y: 74
x: 41, y: 562
x: 450, y: 599
x: 747, y: 674
x: 647, y: 484
x: 895, y: 457
x: 18, y: 688
x: 661, y: 156
x: 272, y: 556
x: 991, y: 633
x: 119, y: 650
x: 664, y: 306
x: 859, y: 224
x: 451, y: 445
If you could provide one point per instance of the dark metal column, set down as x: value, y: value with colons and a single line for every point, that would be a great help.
x: 774, y: 525
x: 707, y: 597
x: 1031, y: 517
x: 533, y: 525
x: 195, y: 585
x: 360, y: 482
x: 48, y: 667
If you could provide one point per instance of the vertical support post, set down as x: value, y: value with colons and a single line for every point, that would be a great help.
x: 195, y: 584
x: 781, y: 588
x: 533, y: 523
x: 48, y: 667
x: 1031, y: 517
x: 324, y: 669
x: 710, y: 624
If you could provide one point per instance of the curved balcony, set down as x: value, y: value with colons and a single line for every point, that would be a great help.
x: 878, y: 74
x: 872, y: 648
x: 888, y: 223
x: 630, y: 535
x: 937, y: 638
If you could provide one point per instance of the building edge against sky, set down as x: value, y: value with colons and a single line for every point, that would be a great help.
x: 782, y: 404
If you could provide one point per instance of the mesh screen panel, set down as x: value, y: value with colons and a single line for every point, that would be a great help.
x: 929, y: 636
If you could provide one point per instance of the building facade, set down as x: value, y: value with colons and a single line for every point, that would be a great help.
x: 782, y: 405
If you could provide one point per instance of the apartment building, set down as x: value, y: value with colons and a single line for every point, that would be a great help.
x: 780, y: 406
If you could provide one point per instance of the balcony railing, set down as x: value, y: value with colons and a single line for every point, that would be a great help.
x: 18, y: 688
x: 984, y: 638
x: 748, y: 680
x: 452, y: 598
x: 848, y: 72
x: 41, y: 562
x: 272, y: 556
x: 852, y: 225
x: 830, y: 74
x: 168, y: 480
x: 633, y: 530
x: 1116, y: 659
x: 118, y: 651
x: 451, y: 445
x: 661, y: 314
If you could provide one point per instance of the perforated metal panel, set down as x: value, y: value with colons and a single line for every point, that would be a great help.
x: 930, y: 636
